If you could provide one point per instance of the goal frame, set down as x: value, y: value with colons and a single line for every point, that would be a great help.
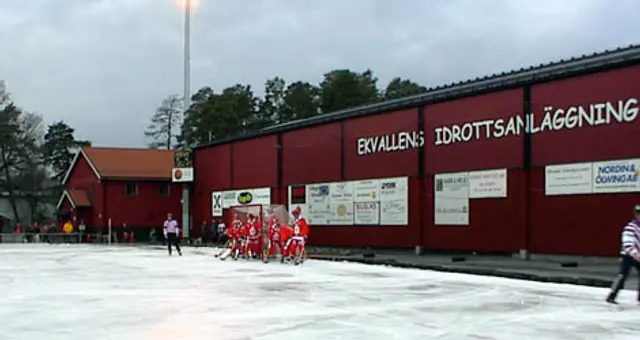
x: 262, y: 213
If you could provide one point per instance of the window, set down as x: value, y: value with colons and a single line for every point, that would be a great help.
x: 131, y: 189
x: 163, y: 189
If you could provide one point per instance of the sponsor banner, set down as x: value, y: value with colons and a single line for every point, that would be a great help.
x: 568, y: 179
x: 366, y: 213
x: 341, y: 213
x: 341, y: 192
x: 182, y: 175
x: 297, y: 197
x: 216, y: 204
x: 246, y: 196
x: 488, y: 183
x: 394, y: 188
x: 366, y: 191
x: 318, y: 204
x: 334, y: 203
x: 394, y: 212
x: 451, y: 199
x: 298, y: 194
x: 616, y: 176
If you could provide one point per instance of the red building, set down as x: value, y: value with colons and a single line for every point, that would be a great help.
x: 544, y: 159
x: 131, y: 186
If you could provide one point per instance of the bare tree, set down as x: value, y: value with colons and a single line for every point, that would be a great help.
x: 21, y: 135
x: 165, y: 124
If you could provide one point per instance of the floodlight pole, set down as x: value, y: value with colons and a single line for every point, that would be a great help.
x: 187, y: 102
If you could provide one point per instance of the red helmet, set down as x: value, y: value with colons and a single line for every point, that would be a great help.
x: 296, y: 211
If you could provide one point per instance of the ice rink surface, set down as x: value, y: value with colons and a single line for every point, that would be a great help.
x: 118, y: 293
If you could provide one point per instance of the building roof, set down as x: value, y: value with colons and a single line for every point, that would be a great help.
x: 564, y: 68
x: 126, y: 163
x: 77, y: 198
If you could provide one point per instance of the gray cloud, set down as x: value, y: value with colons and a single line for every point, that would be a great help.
x: 104, y: 66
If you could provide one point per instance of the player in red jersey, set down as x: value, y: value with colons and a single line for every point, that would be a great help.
x: 296, y: 243
x: 236, y: 232
x: 274, y: 239
x: 253, y: 234
x: 286, y: 232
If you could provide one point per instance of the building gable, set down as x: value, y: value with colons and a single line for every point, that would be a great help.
x: 80, y: 156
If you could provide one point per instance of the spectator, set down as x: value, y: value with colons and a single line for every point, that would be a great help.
x: 152, y: 236
x: 125, y: 233
x: 204, y: 233
x: 81, y: 229
x: 36, y: 232
x: 214, y: 231
x: 222, y: 235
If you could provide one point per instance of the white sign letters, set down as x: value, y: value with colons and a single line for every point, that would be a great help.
x: 388, y: 143
x: 553, y: 119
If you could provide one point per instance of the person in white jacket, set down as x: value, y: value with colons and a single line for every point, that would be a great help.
x: 171, y: 231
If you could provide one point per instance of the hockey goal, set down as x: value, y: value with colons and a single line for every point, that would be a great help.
x: 262, y: 213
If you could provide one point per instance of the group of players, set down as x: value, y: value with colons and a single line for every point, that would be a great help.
x: 247, y: 238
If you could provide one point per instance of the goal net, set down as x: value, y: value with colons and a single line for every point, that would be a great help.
x: 262, y: 213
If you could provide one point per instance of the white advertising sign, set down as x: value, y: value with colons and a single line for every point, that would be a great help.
x: 318, y: 204
x: 488, y: 183
x: 394, y: 201
x: 394, y: 212
x: 341, y: 192
x: 451, y: 199
x: 568, y: 179
x: 216, y: 204
x: 616, y: 176
x: 384, y: 201
x: 341, y: 202
x: 228, y: 199
x: 182, y: 175
x: 341, y: 213
x: 246, y: 197
x: 366, y: 191
x: 366, y: 213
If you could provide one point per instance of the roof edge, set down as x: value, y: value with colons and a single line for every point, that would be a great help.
x: 82, y: 153
x: 65, y: 194
x: 564, y: 68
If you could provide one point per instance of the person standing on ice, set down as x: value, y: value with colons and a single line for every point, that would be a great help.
x: 629, y: 255
x: 171, y: 231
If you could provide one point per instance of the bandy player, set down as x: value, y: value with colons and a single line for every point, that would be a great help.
x: 296, y: 243
x: 276, y: 237
x: 253, y: 231
x: 234, y: 237
x: 235, y: 233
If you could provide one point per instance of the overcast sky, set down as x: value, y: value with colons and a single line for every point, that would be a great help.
x: 103, y: 66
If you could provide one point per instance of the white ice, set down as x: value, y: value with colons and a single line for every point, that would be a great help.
x: 118, y: 293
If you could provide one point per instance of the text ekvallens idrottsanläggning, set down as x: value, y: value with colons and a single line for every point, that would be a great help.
x: 553, y: 119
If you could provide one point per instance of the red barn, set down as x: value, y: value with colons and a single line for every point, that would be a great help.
x: 131, y: 186
x: 543, y: 159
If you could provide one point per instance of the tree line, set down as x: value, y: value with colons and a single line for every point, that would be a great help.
x: 34, y: 159
x: 237, y: 110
